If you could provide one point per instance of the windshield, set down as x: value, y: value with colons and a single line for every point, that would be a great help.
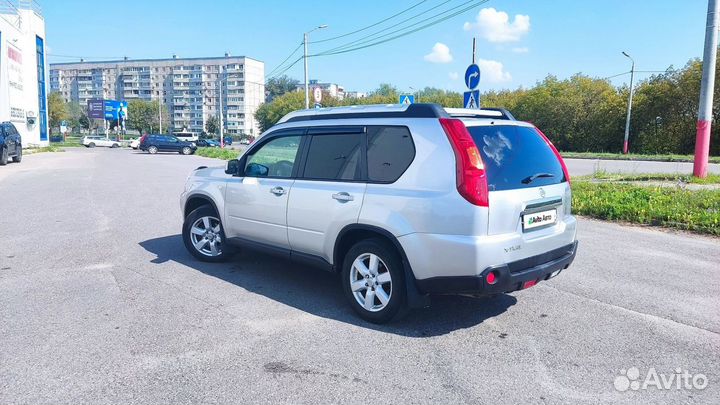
x: 516, y: 157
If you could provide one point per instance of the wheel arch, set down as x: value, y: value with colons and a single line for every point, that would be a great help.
x: 196, y: 201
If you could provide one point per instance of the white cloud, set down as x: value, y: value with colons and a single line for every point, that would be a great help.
x: 454, y: 75
x: 493, y: 71
x: 495, y: 26
x: 440, y: 54
x: 521, y: 50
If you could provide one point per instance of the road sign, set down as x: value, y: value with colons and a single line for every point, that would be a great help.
x: 317, y: 94
x: 472, y: 76
x: 407, y: 99
x: 471, y: 99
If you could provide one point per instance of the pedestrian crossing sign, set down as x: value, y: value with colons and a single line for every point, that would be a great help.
x: 471, y: 99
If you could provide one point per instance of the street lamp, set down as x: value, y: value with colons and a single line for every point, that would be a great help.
x: 629, y: 109
x: 305, y: 56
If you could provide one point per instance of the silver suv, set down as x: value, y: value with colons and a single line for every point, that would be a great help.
x: 402, y: 201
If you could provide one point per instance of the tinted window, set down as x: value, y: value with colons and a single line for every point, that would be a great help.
x: 275, y: 158
x: 390, y: 152
x: 334, y: 157
x: 170, y: 139
x: 513, y: 154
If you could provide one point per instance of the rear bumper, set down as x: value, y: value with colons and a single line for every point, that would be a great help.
x: 510, y: 276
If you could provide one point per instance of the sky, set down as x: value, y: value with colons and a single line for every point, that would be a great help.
x: 518, y: 42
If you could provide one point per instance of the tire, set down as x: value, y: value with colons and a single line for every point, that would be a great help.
x: 214, y: 248
x: 18, y: 158
x: 91, y: 145
x: 388, y: 277
x: 152, y: 150
x: 186, y: 150
x: 3, y: 156
x: 114, y: 146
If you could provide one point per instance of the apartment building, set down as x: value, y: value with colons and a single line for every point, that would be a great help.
x: 192, y: 89
x: 335, y: 90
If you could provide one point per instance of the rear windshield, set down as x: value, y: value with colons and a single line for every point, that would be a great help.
x: 516, y: 157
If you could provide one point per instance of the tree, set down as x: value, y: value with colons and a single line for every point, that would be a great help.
x: 57, y: 110
x: 277, y: 86
x: 77, y: 116
x: 212, y: 125
x: 143, y: 116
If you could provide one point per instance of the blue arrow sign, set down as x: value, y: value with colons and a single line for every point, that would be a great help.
x: 472, y: 77
x: 471, y: 99
x: 407, y: 99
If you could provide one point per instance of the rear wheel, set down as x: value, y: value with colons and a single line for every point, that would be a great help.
x: 3, y: 156
x: 18, y: 158
x: 373, y: 280
x: 152, y: 150
x: 186, y: 150
x: 204, y: 236
x: 115, y: 145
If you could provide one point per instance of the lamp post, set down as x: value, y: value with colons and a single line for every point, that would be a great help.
x: 305, y: 57
x: 629, y: 109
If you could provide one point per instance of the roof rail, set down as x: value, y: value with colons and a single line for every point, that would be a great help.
x: 496, y: 113
x: 419, y: 110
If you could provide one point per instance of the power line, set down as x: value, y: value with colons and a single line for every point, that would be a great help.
x: 369, y: 26
x: 377, y: 35
x: 369, y: 43
x: 286, y: 59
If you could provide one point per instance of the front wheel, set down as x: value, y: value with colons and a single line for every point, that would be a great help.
x: 152, y: 150
x: 186, y: 150
x: 373, y: 280
x: 204, y: 236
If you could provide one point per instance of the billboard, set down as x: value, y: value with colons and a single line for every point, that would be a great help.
x: 107, y: 109
x: 15, y: 82
x: 96, y: 108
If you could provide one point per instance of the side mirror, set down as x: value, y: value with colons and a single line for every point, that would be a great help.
x: 232, y: 167
x: 256, y: 170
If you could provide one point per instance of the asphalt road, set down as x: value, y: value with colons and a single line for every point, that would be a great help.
x: 582, y: 167
x: 100, y: 303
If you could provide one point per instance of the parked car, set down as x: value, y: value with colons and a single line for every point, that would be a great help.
x: 155, y: 143
x: 402, y: 201
x: 228, y: 140
x: 207, y: 143
x: 92, y: 141
x: 10, y: 144
x: 135, y: 143
x: 187, y: 136
x: 245, y: 141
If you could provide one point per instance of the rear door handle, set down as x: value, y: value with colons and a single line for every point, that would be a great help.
x: 343, y: 196
x: 277, y: 191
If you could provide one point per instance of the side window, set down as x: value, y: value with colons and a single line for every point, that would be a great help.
x: 334, y: 157
x: 390, y: 152
x: 276, y: 158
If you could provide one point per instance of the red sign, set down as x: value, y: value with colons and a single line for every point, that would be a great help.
x: 15, y: 55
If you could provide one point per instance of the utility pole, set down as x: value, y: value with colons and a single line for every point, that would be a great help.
x: 629, y: 109
x: 160, y: 112
x: 707, y: 87
x: 305, y: 57
x: 220, y: 76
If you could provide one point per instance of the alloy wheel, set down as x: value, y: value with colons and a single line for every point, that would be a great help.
x: 206, y: 237
x: 370, y: 282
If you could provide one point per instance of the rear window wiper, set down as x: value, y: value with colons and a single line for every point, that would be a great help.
x: 530, y: 179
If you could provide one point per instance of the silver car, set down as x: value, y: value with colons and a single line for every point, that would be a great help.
x: 402, y: 201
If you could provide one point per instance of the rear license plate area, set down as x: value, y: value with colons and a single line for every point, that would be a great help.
x: 539, y: 219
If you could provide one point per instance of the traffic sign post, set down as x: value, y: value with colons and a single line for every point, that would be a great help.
x: 471, y: 99
x: 317, y: 95
x: 407, y: 99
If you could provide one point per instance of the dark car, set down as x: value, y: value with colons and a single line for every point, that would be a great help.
x: 10, y: 143
x: 207, y: 143
x: 228, y: 140
x: 155, y: 143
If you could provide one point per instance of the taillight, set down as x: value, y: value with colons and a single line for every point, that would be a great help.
x: 471, y: 178
x: 557, y: 154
